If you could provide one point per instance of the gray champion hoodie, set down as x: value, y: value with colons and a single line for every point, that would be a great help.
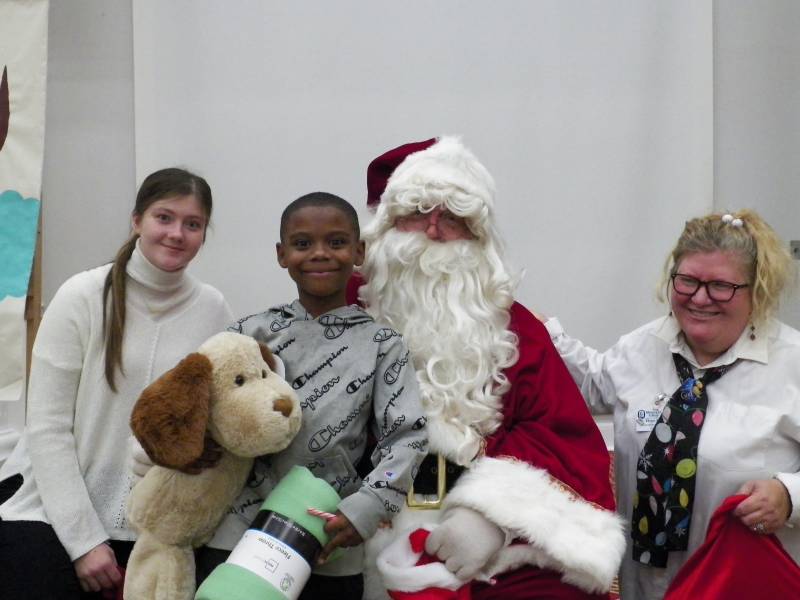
x: 353, y: 376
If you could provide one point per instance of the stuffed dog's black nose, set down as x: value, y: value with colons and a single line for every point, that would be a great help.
x: 283, y: 406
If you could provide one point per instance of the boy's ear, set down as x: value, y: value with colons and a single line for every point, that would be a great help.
x: 281, y: 254
x: 361, y: 250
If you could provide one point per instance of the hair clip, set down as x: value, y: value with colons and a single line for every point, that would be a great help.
x: 730, y: 220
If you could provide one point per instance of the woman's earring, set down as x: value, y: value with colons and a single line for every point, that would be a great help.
x: 752, y: 332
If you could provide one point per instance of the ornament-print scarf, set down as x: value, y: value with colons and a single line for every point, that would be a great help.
x: 667, y: 470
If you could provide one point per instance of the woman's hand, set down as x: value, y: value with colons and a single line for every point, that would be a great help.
x: 97, y: 569
x: 342, y: 533
x: 767, y: 508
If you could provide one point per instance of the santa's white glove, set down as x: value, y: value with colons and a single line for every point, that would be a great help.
x: 139, y: 462
x: 465, y: 541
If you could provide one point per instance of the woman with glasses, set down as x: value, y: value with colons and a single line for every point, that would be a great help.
x: 706, y: 400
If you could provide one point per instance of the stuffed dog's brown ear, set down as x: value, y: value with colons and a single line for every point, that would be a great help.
x: 171, y: 415
x: 266, y: 354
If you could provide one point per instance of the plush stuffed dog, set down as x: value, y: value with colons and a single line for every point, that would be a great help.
x: 227, y: 390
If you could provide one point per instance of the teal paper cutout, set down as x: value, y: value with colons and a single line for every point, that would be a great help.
x: 19, y: 218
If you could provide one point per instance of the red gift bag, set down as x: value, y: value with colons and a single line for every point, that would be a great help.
x: 735, y: 563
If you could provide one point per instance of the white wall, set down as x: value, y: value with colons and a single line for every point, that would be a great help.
x: 550, y: 133
x: 89, y: 171
x: 594, y: 117
x: 757, y: 115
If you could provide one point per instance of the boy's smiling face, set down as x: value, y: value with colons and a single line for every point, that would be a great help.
x: 319, y: 247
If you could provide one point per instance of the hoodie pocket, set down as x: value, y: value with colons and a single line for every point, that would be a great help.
x: 336, y: 469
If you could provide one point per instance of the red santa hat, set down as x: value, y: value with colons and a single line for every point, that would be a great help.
x: 443, y: 163
x: 380, y: 170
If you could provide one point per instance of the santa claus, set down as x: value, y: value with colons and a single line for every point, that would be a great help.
x: 522, y: 499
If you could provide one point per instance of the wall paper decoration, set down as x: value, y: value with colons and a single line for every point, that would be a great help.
x: 23, y: 59
x: 18, y: 220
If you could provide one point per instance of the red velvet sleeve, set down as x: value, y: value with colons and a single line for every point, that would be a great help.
x: 546, y: 422
x: 351, y: 291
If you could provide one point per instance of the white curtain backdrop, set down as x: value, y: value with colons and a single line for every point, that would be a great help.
x: 595, y: 118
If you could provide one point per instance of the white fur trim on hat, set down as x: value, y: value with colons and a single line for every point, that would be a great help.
x: 564, y: 532
x: 446, y: 173
x: 398, y: 567
x: 447, y: 163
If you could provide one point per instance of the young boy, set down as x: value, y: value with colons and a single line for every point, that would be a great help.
x: 352, y: 376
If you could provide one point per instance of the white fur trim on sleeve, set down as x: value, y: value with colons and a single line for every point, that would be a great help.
x: 564, y: 532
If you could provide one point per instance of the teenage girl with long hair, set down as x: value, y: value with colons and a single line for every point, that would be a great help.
x: 107, y: 333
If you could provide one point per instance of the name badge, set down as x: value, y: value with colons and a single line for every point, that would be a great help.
x: 646, y: 418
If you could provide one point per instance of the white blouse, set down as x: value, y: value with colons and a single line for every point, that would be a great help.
x: 751, y: 429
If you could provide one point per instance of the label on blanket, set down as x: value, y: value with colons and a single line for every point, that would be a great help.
x: 279, y: 551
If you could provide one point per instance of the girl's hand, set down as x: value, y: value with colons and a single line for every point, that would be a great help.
x: 97, y: 569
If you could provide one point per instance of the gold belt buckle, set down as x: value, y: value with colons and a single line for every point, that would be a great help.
x: 441, y: 489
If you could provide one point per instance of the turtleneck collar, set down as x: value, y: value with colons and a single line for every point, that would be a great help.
x: 142, y: 270
x: 154, y: 291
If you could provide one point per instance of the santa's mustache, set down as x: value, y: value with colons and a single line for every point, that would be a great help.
x: 402, y: 251
x: 412, y: 277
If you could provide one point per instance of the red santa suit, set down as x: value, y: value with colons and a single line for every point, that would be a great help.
x: 543, y: 475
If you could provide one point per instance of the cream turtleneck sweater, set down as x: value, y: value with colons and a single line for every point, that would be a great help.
x: 73, y: 454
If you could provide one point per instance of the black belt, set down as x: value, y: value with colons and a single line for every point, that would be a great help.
x: 425, y: 481
x: 428, y: 481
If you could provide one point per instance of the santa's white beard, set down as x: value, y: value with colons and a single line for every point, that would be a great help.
x: 443, y: 298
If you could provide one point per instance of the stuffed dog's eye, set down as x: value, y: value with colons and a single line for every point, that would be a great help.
x: 263, y: 373
x: 239, y: 380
